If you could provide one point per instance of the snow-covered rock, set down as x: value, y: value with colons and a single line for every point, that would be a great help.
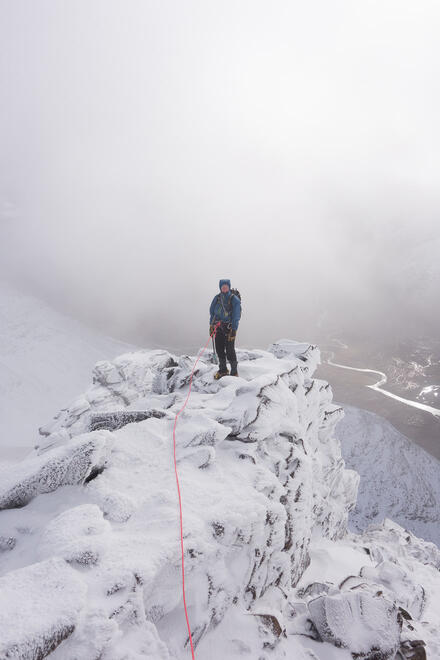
x: 270, y: 569
x: 40, y: 607
x: 363, y: 622
x: 75, y: 463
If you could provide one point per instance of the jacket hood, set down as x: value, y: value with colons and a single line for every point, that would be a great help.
x: 228, y: 282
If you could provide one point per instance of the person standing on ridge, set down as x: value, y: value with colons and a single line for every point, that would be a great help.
x: 226, y: 308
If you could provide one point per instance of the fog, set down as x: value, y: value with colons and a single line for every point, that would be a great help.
x: 150, y: 148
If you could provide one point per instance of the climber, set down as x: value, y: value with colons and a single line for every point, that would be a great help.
x: 226, y: 308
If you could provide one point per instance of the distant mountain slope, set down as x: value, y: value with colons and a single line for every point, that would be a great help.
x: 399, y: 479
x: 45, y: 359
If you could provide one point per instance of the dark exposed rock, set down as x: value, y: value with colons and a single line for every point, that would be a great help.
x: 406, y: 615
x: 314, y: 589
x: 237, y: 437
x: 308, y: 387
x: 352, y: 582
x: 7, y: 543
x: 246, y: 457
x: 219, y: 530
x: 94, y: 472
x: 412, y: 650
x: 273, y: 623
x: 273, y: 629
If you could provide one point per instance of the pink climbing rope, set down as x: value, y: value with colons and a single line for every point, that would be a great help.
x: 178, y: 487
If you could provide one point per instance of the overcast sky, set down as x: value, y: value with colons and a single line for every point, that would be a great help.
x: 150, y: 148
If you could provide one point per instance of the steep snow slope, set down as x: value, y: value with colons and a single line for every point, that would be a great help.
x: 45, y: 359
x: 398, y: 479
x: 270, y: 569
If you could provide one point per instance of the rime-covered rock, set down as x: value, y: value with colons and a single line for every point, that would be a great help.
x: 112, y: 421
x: 365, y: 623
x: 78, y: 535
x: 39, y: 608
x: 71, y: 464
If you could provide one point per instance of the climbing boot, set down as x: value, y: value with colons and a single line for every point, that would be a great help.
x: 234, y: 369
x: 220, y: 374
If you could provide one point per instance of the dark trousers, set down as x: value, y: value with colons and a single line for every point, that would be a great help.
x: 222, y: 345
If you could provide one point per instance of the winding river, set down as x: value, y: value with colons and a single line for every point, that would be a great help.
x: 383, y: 379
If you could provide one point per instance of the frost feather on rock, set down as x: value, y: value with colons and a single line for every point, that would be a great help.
x: 39, y: 608
x: 365, y: 623
x: 62, y: 466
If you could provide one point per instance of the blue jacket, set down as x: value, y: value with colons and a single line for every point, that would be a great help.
x: 219, y: 310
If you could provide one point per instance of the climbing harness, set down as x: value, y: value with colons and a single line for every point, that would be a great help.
x: 178, y: 487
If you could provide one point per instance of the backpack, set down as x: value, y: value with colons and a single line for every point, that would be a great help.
x: 235, y: 292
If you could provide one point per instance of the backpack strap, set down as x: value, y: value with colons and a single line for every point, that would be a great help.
x: 229, y: 303
x: 221, y: 302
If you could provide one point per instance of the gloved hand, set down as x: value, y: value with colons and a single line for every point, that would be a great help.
x: 231, y: 335
x: 211, y: 328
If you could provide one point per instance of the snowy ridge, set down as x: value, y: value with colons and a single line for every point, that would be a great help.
x: 270, y: 570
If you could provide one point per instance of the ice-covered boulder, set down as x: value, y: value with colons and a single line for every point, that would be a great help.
x: 79, y: 535
x: 40, y: 605
x: 71, y: 464
x: 365, y: 623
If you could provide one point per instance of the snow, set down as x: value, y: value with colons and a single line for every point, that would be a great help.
x: 332, y: 562
x: 45, y: 358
